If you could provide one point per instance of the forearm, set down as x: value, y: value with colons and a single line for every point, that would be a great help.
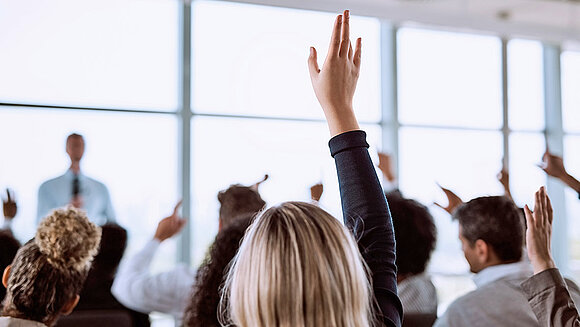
x: 571, y: 182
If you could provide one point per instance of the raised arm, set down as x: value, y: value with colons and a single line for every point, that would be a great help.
x: 553, y: 165
x: 546, y: 291
x: 364, y: 205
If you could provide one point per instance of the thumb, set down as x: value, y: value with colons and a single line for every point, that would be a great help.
x: 313, y: 63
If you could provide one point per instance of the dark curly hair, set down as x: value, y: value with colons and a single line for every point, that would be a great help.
x: 238, y: 200
x: 202, y: 309
x: 9, y: 245
x: 415, y: 234
x: 495, y: 220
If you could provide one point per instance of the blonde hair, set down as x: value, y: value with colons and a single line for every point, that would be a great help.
x: 50, y: 269
x: 297, y: 266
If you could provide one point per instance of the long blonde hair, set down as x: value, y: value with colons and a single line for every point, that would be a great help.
x: 297, y: 266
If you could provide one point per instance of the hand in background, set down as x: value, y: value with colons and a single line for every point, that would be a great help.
x: 504, y: 178
x: 386, y: 166
x: 335, y: 83
x: 170, y: 226
x: 9, y: 206
x: 452, y: 199
x: 256, y: 186
x: 553, y: 165
x: 539, y: 232
x: 316, y: 191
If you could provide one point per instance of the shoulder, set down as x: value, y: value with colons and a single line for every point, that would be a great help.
x: 52, y: 182
x: 95, y: 183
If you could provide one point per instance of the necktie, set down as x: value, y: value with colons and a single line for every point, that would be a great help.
x: 76, y: 186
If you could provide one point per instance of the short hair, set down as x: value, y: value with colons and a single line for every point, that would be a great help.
x: 203, y: 306
x: 238, y: 200
x: 74, y: 135
x: 415, y: 234
x: 111, y: 249
x: 497, y: 221
x: 9, y: 245
x: 49, y: 270
x: 297, y: 266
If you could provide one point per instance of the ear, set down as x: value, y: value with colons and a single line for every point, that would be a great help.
x: 70, y: 305
x: 482, y: 251
x: 220, y: 225
x: 220, y: 196
x: 6, y: 275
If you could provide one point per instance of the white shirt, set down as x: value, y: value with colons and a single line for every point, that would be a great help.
x: 168, y: 292
x: 57, y: 192
x: 520, y: 269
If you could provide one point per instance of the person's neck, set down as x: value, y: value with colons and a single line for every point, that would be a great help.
x: 75, y: 167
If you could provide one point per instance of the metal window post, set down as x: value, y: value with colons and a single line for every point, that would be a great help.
x: 555, y: 141
x: 389, y: 103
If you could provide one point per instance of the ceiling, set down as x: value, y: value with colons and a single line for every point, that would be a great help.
x: 556, y: 21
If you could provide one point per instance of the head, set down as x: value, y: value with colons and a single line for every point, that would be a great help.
x: 111, y: 249
x: 238, y: 200
x: 203, y: 306
x: 48, y: 272
x: 75, y: 147
x: 297, y: 266
x: 415, y: 233
x: 8, y: 248
x: 491, y: 231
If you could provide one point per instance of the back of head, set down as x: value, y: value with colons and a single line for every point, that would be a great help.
x: 238, y: 200
x: 203, y: 307
x: 495, y: 220
x: 297, y: 266
x: 8, y: 248
x: 112, y: 247
x: 415, y: 233
x: 50, y: 269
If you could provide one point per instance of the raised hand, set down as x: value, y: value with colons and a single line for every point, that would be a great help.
x: 539, y: 232
x: 9, y: 206
x: 453, y: 201
x: 386, y: 166
x: 553, y: 165
x: 256, y: 186
x: 170, y: 226
x: 316, y: 191
x: 504, y: 178
x: 335, y: 83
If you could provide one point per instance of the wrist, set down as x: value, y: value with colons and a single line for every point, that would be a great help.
x: 542, y: 265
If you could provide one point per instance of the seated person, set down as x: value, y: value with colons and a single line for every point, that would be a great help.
x: 168, y: 292
x: 546, y: 291
x: 491, y: 230
x: 96, y: 294
x: 48, y: 272
x: 8, y: 248
x: 416, y: 237
x: 203, y: 306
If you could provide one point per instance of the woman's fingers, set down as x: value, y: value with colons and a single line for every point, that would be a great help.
x: 334, y: 48
x: 345, y: 35
x: 313, y: 63
x: 357, y: 52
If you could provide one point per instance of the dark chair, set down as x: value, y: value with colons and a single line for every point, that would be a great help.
x: 419, y: 319
x: 96, y: 318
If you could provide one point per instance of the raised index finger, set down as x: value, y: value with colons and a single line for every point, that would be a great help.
x: 177, y: 207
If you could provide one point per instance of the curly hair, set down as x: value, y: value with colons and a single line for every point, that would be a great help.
x: 9, y: 245
x: 49, y: 270
x: 202, y: 309
x: 238, y: 200
x: 415, y: 234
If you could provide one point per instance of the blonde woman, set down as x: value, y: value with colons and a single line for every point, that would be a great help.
x: 297, y: 265
x: 48, y: 272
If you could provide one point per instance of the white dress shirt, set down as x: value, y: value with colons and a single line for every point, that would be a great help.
x: 168, y: 292
x: 57, y: 192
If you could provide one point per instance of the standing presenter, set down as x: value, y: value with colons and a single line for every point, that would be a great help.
x: 76, y: 189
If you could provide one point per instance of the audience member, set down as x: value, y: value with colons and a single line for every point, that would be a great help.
x: 8, y: 248
x: 96, y: 293
x: 48, y: 272
x: 316, y: 192
x: 76, y: 189
x: 491, y: 230
x: 554, y: 166
x: 546, y: 291
x: 10, y: 209
x: 416, y: 237
x: 298, y: 265
x: 203, y: 306
x: 169, y: 292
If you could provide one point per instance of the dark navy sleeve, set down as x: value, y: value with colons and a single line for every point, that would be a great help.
x: 367, y: 215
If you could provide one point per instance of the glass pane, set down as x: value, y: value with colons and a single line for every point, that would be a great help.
x: 259, y: 67
x: 118, y: 54
x: 466, y: 162
x: 526, y: 150
x: 242, y: 151
x: 525, y: 85
x: 572, y: 164
x: 570, y: 96
x: 138, y: 167
x: 449, y: 79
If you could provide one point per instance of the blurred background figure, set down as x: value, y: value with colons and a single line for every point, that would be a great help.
x: 554, y: 166
x: 76, y: 189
